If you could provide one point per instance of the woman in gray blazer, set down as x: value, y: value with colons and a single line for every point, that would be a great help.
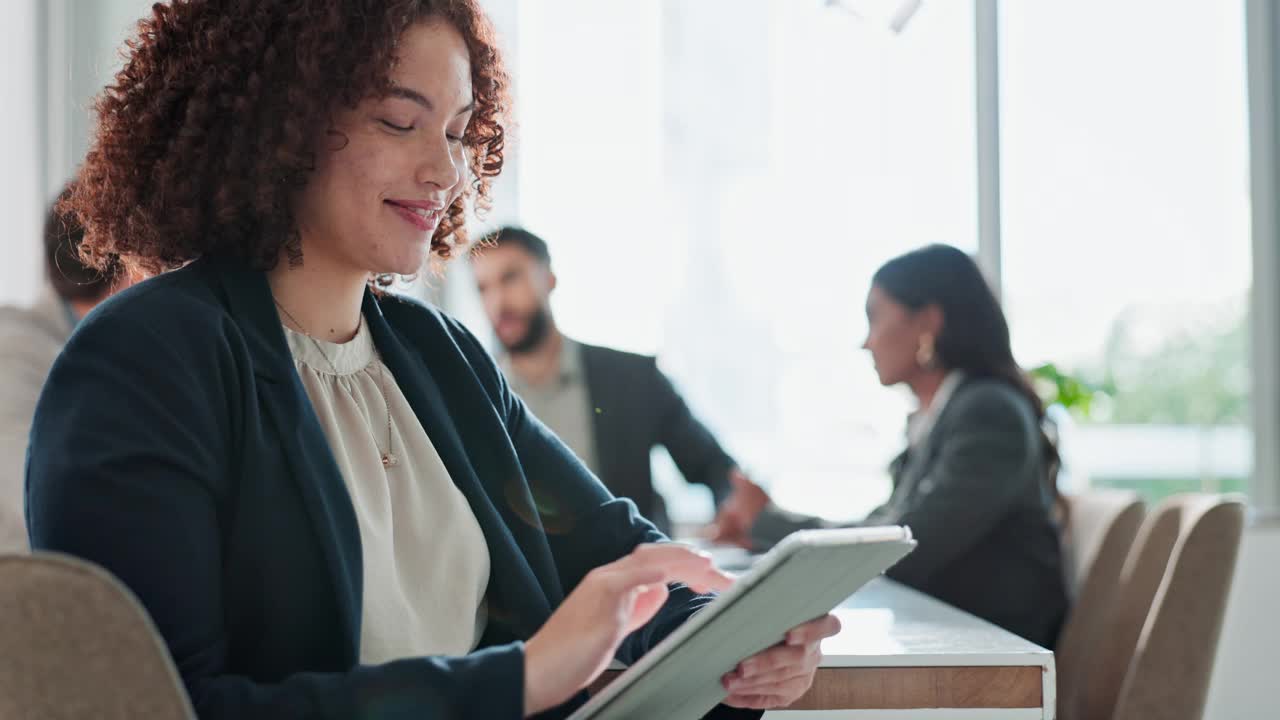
x: 977, y: 482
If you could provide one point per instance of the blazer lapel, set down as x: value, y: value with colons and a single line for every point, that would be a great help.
x: 473, y: 445
x: 920, y: 460
x: 305, y: 448
x: 604, y: 416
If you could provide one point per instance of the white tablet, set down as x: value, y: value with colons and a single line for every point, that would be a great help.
x: 802, y: 578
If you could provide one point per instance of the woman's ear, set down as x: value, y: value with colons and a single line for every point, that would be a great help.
x: 931, y: 319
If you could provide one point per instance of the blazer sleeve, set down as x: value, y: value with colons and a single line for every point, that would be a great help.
x: 984, y: 461
x: 773, y: 524
x: 586, y: 525
x: 694, y: 449
x: 134, y: 443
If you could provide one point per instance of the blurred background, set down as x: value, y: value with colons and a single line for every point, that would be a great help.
x: 718, y: 179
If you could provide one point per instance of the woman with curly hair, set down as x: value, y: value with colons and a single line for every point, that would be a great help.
x: 325, y: 496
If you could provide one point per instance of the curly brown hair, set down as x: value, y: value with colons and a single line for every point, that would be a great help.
x: 209, y: 128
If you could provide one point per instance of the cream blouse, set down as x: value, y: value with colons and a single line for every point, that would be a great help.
x: 426, y: 563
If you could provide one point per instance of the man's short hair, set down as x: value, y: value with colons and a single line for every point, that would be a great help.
x: 512, y: 235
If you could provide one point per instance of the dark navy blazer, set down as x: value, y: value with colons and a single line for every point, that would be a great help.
x: 175, y: 446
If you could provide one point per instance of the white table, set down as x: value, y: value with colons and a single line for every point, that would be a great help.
x: 902, y: 654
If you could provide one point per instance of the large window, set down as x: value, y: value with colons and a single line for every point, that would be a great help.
x: 1126, y: 229
x: 20, y: 194
x: 718, y: 180
x: 55, y: 57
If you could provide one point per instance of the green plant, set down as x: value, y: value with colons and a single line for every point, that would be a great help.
x: 1056, y: 387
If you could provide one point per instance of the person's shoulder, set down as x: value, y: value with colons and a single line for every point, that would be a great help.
x: 406, y: 311
x: 187, y: 294
x: 178, y: 312
x: 429, y: 331
x: 425, y: 324
x: 992, y: 400
x: 616, y: 359
x: 21, y: 325
x: 29, y: 343
x: 14, y: 316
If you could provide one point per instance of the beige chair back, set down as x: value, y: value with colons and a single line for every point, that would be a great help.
x: 74, y: 643
x: 1100, y: 532
x: 1156, y: 652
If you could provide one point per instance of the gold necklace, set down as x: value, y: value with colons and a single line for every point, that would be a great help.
x: 389, y: 459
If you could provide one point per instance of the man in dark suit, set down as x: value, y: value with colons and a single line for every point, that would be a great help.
x: 610, y: 407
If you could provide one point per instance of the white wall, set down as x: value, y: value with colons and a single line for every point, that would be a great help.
x: 1245, y: 677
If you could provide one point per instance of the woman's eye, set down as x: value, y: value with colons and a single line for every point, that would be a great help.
x: 397, y: 128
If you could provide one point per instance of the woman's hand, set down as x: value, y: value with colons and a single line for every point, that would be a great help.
x: 738, y: 512
x: 778, y: 676
x: 580, y: 638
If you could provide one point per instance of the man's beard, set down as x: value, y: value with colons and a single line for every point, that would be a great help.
x: 536, y: 331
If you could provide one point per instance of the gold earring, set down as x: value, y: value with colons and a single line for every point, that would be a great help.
x: 925, y: 353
